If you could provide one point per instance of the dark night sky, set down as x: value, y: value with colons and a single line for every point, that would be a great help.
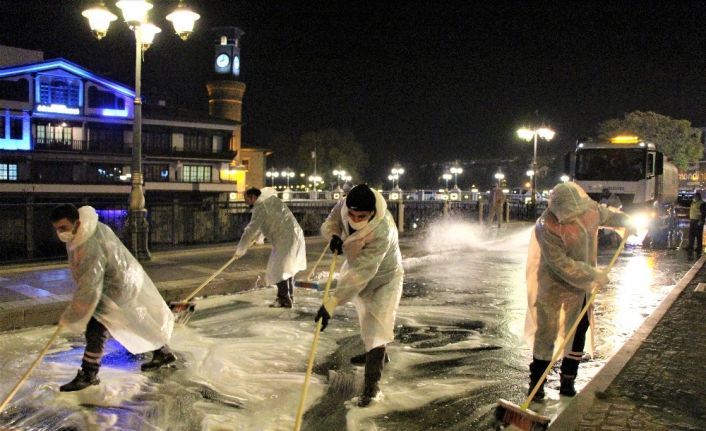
x: 415, y: 81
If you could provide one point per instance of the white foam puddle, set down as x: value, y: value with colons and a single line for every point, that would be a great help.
x: 241, y: 364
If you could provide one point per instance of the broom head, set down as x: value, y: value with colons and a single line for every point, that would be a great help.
x: 509, y: 413
x: 182, y: 311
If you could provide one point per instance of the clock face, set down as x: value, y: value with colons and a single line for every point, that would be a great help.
x: 222, y: 60
x: 236, y: 64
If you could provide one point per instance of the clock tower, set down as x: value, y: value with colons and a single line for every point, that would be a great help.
x: 225, y: 91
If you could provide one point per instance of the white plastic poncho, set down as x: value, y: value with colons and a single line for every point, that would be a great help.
x: 372, y: 274
x: 561, y: 266
x: 272, y: 218
x: 113, y: 288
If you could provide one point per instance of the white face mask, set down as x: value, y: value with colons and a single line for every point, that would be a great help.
x: 358, y: 225
x: 65, y: 236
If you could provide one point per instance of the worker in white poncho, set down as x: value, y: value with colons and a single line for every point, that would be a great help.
x: 272, y: 218
x: 114, y: 296
x: 363, y: 230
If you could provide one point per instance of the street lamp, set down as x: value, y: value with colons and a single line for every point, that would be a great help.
x: 456, y: 171
x: 135, y: 15
x: 272, y: 174
x: 287, y: 174
x: 339, y: 174
x: 565, y: 178
x: 315, y: 179
x: 531, y: 134
x: 447, y: 177
x: 499, y: 177
x: 396, y: 172
x: 393, y: 177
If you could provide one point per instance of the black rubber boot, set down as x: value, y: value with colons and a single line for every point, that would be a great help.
x: 374, y: 363
x: 537, y: 368
x: 84, y: 379
x: 567, y: 385
x: 360, y: 359
x: 160, y: 358
x: 284, y: 299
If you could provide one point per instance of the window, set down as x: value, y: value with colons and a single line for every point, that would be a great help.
x: 50, y: 172
x: 104, y: 173
x: 198, y: 144
x: 650, y: 164
x: 14, y: 90
x: 2, y: 127
x: 16, y: 127
x: 59, y: 90
x: 8, y: 172
x: 156, y: 172
x: 197, y: 174
x: 104, y: 99
x: 157, y: 142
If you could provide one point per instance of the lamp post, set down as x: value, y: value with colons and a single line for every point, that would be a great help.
x: 339, y: 174
x: 272, y: 174
x: 393, y: 177
x: 447, y: 177
x: 531, y: 134
x: 499, y: 177
x: 287, y: 174
x: 456, y: 170
x: 315, y: 179
x: 396, y: 172
x: 135, y: 15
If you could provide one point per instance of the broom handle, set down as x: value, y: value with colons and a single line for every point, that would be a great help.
x: 214, y: 275
x: 313, y: 270
x: 572, y: 330
x: 312, y: 352
x: 24, y: 377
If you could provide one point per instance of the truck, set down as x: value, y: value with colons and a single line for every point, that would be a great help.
x: 637, y: 173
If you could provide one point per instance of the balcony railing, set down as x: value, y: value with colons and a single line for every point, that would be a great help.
x: 118, y: 147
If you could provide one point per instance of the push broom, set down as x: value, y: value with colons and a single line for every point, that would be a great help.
x: 521, y: 416
x: 24, y: 377
x: 312, y: 352
x: 310, y: 283
x: 185, y: 308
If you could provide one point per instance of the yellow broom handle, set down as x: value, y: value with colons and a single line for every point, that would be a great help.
x: 572, y: 330
x: 24, y: 377
x: 312, y: 352
x: 215, y: 274
x: 313, y: 270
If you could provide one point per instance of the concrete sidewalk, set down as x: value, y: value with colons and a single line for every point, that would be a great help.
x: 657, y: 381
x: 35, y: 295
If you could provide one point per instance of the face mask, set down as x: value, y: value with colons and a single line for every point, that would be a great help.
x: 358, y: 225
x: 65, y: 236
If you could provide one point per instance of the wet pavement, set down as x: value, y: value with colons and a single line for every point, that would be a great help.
x: 457, y: 348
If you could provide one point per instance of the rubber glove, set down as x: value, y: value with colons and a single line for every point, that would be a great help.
x: 325, y: 312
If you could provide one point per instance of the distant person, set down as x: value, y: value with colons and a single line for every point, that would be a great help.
x: 610, y: 199
x: 272, y: 218
x: 497, y: 205
x: 561, y: 274
x: 115, y: 296
x: 697, y: 213
x: 361, y: 228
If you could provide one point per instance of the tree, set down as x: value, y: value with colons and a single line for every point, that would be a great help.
x: 334, y: 150
x: 675, y: 138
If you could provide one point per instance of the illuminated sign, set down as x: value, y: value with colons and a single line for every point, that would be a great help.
x: 114, y: 112
x: 58, y: 109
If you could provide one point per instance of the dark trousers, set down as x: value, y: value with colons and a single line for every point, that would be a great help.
x: 285, y: 288
x: 696, y: 232
x: 96, y: 334
x: 570, y: 363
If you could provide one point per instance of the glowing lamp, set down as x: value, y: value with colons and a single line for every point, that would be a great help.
x: 148, y: 31
x: 134, y: 11
x: 99, y: 19
x: 624, y: 139
x: 183, y: 20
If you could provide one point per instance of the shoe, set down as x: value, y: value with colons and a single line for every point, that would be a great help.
x: 368, y: 395
x: 373, y: 373
x: 360, y: 359
x: 159, y: 359
x: 82, y: 380
x: 567, y: 385
x: 282, y: 303
x: 540, y: 392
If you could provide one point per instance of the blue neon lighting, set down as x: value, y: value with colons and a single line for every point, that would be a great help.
x: 114, y: 112
x: 69, y: 67
x: 16, y: 144
x: 58, y: 109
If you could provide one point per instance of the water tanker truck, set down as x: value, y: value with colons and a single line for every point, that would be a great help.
x: 640, y: 176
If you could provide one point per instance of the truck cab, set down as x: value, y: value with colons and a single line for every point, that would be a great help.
x: 637, y: 173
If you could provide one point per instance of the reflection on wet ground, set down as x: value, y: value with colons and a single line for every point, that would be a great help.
x: 241, y: 364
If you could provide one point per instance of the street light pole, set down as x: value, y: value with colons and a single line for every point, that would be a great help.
x: 531, y: 135
x: 135, y: 15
